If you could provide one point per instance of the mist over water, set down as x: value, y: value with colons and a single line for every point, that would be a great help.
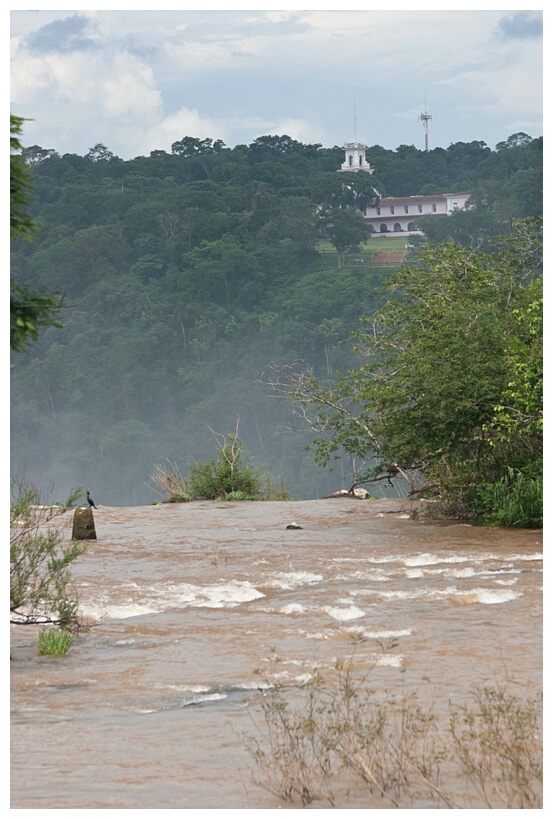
x: 191, y: 604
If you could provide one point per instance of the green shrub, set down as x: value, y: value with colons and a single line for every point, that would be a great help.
x: 54, y: 641
x: 223, y: 476
x: 180, y: 497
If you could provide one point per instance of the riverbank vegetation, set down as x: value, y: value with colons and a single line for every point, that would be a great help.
x: 186, y: 273
x: 343, y: 733
x: 447, y: 394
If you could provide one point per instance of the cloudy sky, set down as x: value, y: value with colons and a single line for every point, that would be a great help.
x: 139, y: 80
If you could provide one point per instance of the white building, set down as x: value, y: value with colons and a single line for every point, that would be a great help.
x: 398, y: 214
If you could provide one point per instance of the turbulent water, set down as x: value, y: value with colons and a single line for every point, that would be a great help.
x: 151, y: 707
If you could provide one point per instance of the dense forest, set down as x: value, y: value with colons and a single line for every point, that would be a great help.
x: 187, y: 274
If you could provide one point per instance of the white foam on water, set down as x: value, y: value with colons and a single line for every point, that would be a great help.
x: 317, y: 635
x: 373, y: 576
x: 349, y: 613
x: 122, y: 612
x: 414, y: 574
x: 473, y: 595
x: 154, y: 600
x: 191, y: 689
x: 227, y: 594
x: 390, y: 661
x: 429, y: 559
x: 204, y: 698
x: 293, y: 608
x: 293, y: 580
x: 349, y: 559
x: 380, y: 635
x: 489, y: 597
x: 467, y: 571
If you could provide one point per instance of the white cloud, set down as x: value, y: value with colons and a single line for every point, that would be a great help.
x: 130, y: 90
x: 184, y: 122
x: 302, y: 130
x: 30, y: 78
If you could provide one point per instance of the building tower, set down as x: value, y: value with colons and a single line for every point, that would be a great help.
x: 425, y: 117
x: 355, y: 159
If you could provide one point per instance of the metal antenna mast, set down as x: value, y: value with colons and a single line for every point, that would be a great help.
x: 425, y: 117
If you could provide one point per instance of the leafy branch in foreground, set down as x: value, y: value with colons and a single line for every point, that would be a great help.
x: 40, y: 563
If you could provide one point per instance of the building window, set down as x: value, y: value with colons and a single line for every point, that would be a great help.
x: 397, y: 228
x: 433, y: 208
x: 420, y: 208
x: 383, y: 228
x: 406, y: 208
x: 378, y: 211
x: 360, y: 160
x: 350, y: 159
x: 392, y: 210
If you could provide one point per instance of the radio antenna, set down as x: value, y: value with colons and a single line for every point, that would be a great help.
x: 425, y: 117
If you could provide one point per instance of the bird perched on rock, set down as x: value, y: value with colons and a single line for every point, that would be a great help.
x: 90, y: 501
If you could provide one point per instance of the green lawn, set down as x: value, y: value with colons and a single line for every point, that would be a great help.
x: 371, y: 246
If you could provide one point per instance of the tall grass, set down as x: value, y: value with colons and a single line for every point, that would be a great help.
x: 54, y: 641
x: 515, y: 501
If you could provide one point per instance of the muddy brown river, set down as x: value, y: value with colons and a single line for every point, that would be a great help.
x: 151, y: 707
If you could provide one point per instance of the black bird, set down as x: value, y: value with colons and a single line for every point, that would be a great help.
x: 90, y: 501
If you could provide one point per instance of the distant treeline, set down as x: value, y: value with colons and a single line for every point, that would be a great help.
x: 187, y: 273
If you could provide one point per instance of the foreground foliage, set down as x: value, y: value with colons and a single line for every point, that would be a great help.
x: 344, y: 733
x: 40, y: 563
x: 448, y: 396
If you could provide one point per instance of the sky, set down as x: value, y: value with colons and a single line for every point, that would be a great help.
x: 139, y: 80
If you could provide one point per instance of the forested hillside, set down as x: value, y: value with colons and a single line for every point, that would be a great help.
x: 186, y: 274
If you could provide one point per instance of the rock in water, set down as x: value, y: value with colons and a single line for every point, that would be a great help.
x: 83, y: 525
